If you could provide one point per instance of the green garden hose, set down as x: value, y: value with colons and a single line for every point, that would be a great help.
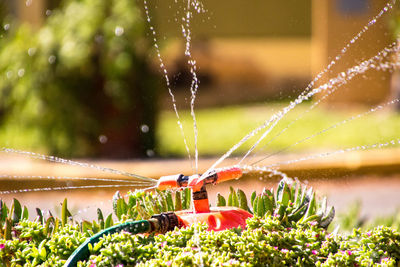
x: 160, y: 223
x: 82, y: 252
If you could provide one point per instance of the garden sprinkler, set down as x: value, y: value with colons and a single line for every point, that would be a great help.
x: 217, y: 218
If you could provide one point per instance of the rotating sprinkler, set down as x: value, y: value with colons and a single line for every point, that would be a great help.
x: 217, y: 218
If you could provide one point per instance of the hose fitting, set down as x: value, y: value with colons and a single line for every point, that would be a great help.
x: 164, y: 222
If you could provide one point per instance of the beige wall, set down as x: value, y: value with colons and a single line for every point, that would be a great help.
x: 238, y: 18
x: 31, y: 11
x: 333, y: 28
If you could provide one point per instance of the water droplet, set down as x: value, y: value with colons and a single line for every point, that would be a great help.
x: 48, y: 12
x: 103, y: 139
x: 144, y: 128
x: 119, y: 31
x: 21, y: 72
x: 52, y: 59
x: 9, y: 74
x: 150, y: 153
x: 31, y: 51
x: 6, y: 27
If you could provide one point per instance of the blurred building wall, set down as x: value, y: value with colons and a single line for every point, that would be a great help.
x: 31, y: 11
x: 335, y: 23
x: 245, y: 51
x: 237, y: 18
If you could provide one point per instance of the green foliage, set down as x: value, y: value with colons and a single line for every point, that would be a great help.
x: 265, y: 241
x: 272, y: 237
x: 83, y: 74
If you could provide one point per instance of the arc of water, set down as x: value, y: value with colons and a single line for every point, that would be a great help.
x: 392, y: 142
x: 384, y: 52
x: 386, y: 8
x: 74, y: 163
x: 41, y: 189
x: 166, y: 78
x: 272, y: 171
x: 379, y: 107
x: 195, y: 83
x: 71, y: 178
x: 334, y: 84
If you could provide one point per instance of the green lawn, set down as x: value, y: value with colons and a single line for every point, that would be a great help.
x: 220, y: 129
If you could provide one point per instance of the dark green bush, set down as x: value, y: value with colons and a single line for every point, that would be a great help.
x: 84, y: 74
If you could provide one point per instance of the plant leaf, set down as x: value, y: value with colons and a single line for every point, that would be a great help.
x: 268, y: 204
x: 170, y: 203
x: 48, y: 227
x: 115, y: 199
x: 17, y: 211
x: 221, y: 202
x: 86, y: 226
x: 7, y: 230
x: 25, y: 214
x: 327, y: 219
x: 252, y: 198
x: 242, y: 199
x: 64, y: 213
x: 3, y: 212
x: 311, y: 207
x: 109, y: 221
x: 100, y: 218
x: 260, y: 206
x: 255, y: 206
x: 40, y: 215
x: 178, y: 201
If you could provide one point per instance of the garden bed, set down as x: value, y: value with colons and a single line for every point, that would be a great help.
x: 289, y: 227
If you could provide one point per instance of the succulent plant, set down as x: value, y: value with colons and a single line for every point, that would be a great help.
x: 291, y: 203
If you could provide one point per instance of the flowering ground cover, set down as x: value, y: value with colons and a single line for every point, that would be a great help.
x: 289, y: 227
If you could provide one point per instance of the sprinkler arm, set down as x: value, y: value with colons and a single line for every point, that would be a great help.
x: 216, y: 176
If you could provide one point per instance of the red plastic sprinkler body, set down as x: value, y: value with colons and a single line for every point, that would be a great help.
x: 218, y: 218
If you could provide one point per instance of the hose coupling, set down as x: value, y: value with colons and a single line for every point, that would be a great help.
x: 164, y: 222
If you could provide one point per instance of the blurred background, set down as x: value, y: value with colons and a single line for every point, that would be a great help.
x: 81, y: 79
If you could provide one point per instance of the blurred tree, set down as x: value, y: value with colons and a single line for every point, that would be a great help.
x: 82, y: 84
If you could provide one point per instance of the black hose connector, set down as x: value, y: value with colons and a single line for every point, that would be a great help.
x: 164, y: 222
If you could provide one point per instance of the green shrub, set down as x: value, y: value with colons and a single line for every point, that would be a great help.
x: 265, y: 242
x: 85, y: 73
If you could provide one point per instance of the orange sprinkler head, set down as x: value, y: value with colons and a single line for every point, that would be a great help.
x: 216, y: 176
x: 229, y: 174
x: 194, y: 183
x: 168, y: 182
